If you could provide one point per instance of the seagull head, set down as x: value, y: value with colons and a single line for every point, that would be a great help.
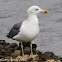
x: 35, y: 10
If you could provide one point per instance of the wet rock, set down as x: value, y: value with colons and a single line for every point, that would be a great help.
x: 58, y: 61
x: 7, y: 54
x: 2, y: 50
x: 1, y: 46
x: 30, y: 60
x: 27, y: 50
x: 2, y: 42
x: 47, y: 55
x: 6, y: 47
x: 50, y: 55
x: 39, y: 54
x: 15, y: 48
x: 12, y: 49
x: 61, y: 59
x: 34, y: 46
x: 12, y: 45
x: 1, y: 56
x: 18, y: 47
x: 52, y: 60
x: 56, y: 57
x: 16, y: 53
x: 8, y: 51
x: 7, y: 57
x: 7, y: 44
x: 1, y: 53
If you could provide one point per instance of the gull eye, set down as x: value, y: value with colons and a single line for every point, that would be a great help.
x: 36, y: 9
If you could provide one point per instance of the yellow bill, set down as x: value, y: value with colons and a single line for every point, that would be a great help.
x: 44, y: 11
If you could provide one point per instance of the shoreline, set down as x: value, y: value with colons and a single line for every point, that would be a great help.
x: 8, y: 50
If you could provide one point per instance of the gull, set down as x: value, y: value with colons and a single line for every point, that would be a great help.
x: 27, y: 30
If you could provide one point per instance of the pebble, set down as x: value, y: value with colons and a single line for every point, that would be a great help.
x: 16, y: 53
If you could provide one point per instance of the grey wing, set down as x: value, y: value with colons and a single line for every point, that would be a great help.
x: 14, y: 31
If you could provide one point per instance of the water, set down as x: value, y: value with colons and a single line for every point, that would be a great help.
x: 50, y: 36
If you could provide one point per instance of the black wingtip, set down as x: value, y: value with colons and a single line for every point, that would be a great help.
x: 8, y: 36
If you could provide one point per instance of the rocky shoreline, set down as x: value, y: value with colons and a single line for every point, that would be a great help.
x: 8, y: 50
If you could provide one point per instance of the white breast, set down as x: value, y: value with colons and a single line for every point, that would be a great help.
x: 28, y: 31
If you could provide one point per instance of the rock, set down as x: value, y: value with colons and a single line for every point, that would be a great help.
x: 18, y: 47
x: 16, y: 53
x: 3, y: 50
x: 12, y: 45
x: 56, y: 57
x: 12, y: 49
x: 47, y: 55
x: 52, y: 60
x: 58, y: 61
x: 2, y: 42
x: 27, y: 50
x: 1, y: 56
x: 7, y: 44
x: 4, y: 53
x: 30, y: 60
x: 6, y: 48
x: 1, y: 53
x: 15, y: 48
x: 8, y: 57
x: 61, y: 59
x: 38, y: 52
x: 8, y: 51
x: 1, y: 46
x: 34, y: 46
x: 7, y: 54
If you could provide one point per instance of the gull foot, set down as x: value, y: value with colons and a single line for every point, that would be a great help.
x: 23, y: 58
x: 35, y: 57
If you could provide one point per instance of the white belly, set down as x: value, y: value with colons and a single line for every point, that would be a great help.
x: 27, y: 32
x: 30, y: 32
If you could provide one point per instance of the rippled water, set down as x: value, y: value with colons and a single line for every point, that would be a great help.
x: 50, y: 37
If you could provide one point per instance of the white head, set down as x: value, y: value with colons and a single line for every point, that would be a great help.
x: 35, y: 10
